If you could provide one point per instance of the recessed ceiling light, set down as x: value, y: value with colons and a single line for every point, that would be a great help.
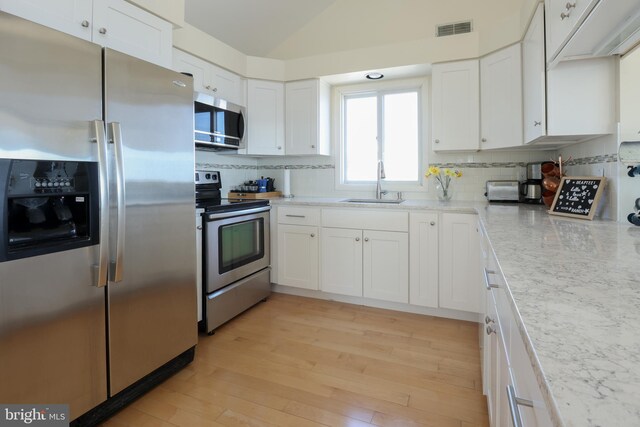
x: 374, y: 76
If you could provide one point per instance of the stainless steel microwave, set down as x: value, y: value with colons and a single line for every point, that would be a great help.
x: 218, y: 124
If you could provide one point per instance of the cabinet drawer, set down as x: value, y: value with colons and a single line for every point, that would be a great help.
x: 298, y: 216
x: 526, y: 385
x: 366, y: 219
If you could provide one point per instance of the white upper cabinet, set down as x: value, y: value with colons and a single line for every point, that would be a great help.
x: 581, y: 29
x: 307, y: 118
x: 210, y: 79
x: 265, y: 118
x: 562, y: 18
x: 573, y: 101
x: 501, y: 99
x: 456, y: 106
x: 73, y: 17
x: 116, y: 24
x: 123, y: 27
x: 534, y: 79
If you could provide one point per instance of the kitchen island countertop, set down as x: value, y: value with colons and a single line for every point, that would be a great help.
x: 575, y: 287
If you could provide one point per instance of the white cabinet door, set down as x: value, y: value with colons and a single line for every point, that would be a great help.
x: 307, y: 118
x: 501, y: 99
x: 298, y: 256
x: 199, y: 69
x: 265, y: 117
x: 492, y: 359
x: 386, y: 265
x: 456, y: 106
x: 423, y: 259
x: 123, y: 27
x: 562, y: 18
x: 460, y: 285
x: 225, y: 84
x: 73, y: 17
x: 534, y: 79
x: 629, y: 95
x: 504, y: 380
x: 341, y: 261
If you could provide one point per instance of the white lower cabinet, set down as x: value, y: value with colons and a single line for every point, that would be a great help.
x: 507, y: 366
x: 368, y: 263
x: 459, y: 287
x: 423, y: 259
x: 297, y: 245
x: 298, y: 256
x: 385, y: 265
x: 341, y: 261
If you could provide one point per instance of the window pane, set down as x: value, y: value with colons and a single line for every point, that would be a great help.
x: 401, y: 152
x: 361, y: 147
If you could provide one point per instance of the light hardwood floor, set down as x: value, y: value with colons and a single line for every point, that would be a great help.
x: 299, y: 362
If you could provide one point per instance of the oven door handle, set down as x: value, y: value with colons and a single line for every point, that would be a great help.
x: 221, y: 215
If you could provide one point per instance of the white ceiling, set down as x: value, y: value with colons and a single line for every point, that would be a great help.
x: 288, y: 29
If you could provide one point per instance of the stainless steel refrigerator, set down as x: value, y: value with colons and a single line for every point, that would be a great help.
x: 87, y: 314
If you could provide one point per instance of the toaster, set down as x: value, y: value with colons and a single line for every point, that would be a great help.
x: 503, y: 191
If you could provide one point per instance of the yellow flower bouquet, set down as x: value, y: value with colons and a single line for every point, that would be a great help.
x: 443, y: 176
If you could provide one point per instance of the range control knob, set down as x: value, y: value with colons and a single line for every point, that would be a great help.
x: 50, y: 184
x: 207, y: 176
x: 56, y: 184
x: 38, y: 185
x: 67, y: 184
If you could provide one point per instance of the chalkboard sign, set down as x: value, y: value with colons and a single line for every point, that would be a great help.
x: 578, y: 196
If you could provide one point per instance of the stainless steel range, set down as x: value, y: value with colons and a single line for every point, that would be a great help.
x: 235, y: 272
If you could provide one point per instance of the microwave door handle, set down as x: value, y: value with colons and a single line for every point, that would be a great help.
x: 100, y: 139
x: 116, y: 267
x: 240, y: 126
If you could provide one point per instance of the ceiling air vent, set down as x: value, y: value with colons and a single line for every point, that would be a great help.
x: 452, y: 29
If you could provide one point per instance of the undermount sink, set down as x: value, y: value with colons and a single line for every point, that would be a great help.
x: 384, y: 201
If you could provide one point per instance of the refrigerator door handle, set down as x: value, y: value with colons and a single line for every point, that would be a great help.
x: 116, y: 272
x: 100, y: 139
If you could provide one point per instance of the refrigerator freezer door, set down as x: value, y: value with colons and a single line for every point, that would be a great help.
x: 151, y: 296
x: 52, y: 315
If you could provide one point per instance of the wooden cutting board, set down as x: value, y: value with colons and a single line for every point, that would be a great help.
x: 267, y: 195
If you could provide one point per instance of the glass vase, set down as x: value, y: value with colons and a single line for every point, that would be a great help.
x: 444, y: 193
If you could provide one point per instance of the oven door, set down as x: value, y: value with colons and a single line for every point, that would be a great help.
x: 236, y: 245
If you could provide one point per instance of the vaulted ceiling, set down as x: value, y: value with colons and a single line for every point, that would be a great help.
x: 288, y: 29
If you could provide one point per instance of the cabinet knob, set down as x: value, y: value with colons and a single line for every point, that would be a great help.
x: 484, y: 139
x: 491, y: 330
x: 85, y: 23
x: 535, y: 123
x: 313, y: 235
x: 199, y: 227
x: 366, y: 239
x: 488, y: 320
x: 432, y: 223
x: 357, y: 239
x: 313, y: 146
x: 564, y: 15
x: 279, y: 147
x: 102, y: 30
x: 569, y: 5
x: 437, y: 141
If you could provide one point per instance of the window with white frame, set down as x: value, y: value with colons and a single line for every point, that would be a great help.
x: 381, y: 124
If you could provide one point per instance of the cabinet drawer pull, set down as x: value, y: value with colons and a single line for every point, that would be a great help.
x: 491, y: 330
x: 564, y: 15
x: 295, y: 216
x: 569, y: 5
x: 514, y: 402
x: 536, y: 123
x: 486, y: 279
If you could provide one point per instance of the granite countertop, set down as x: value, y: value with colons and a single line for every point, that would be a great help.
x: 575, y: 285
